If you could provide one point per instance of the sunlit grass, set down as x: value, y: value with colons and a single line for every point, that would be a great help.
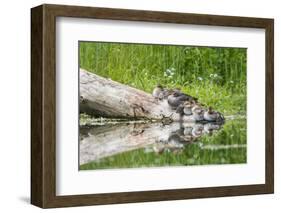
x: 217, y: 76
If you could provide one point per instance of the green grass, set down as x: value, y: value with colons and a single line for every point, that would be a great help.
x: 217, y: 76
x: 234, y: 132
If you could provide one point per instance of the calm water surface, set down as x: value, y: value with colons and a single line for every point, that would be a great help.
x: 155, y: 144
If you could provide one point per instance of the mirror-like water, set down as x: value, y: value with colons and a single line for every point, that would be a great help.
x: 154, y: 144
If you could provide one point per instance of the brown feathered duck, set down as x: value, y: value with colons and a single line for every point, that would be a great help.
x: 177, y: 98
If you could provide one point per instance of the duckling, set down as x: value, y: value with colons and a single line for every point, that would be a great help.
x: 157, y: 91
x: 198, y: 112
x: 164, y: 93
x: 185, y: 108
x: 188, y: 105
x: 211, y: 115
x: 177, y: 98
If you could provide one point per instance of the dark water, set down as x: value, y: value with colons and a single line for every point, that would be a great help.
x: 155, y: 144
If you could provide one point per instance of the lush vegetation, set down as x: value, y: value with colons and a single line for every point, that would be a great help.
x: 206, y: 150
x: 217, y: 76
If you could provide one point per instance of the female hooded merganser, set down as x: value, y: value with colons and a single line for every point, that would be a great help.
x: 157, y: 91
x: 190, y: 98
x: 198, y: 112
x: 211, y: 115
x: 177, y: 98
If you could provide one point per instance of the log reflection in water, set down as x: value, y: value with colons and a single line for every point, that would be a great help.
x: 103, y: 141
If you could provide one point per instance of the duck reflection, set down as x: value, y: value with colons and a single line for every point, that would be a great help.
x: 185, y: 134
x: 98, y: 142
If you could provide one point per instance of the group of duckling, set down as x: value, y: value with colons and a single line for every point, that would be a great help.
x: 185, y: 104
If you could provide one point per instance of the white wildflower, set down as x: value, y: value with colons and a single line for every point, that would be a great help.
x: 169, y: 72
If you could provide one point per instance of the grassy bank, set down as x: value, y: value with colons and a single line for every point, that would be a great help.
x: 217, y: 76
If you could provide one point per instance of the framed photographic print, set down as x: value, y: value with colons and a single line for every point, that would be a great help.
x: 137, y: 106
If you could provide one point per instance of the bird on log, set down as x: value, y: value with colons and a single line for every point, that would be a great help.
x: 104, y: 97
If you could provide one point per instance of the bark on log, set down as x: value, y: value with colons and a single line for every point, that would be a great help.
x: 107, y: 98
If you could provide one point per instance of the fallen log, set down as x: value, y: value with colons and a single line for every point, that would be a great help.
x: 104, y: 97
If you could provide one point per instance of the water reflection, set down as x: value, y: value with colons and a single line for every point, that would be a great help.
x: 99, y: 142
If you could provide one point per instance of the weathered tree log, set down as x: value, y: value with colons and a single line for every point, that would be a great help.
x: 107, y: 98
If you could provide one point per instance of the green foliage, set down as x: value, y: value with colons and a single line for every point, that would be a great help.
x: 234, y: 132
x: 217, y: 76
